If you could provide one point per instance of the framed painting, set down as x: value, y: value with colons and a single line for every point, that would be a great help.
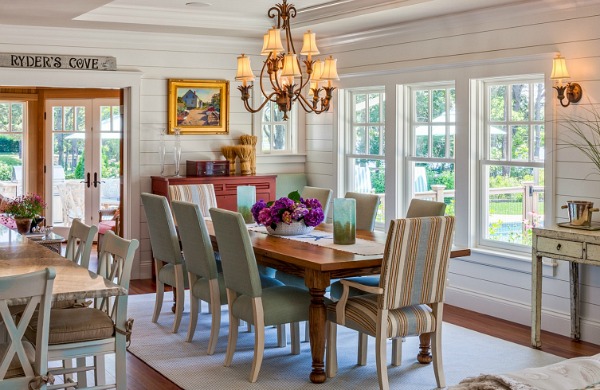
x: 198, y: 106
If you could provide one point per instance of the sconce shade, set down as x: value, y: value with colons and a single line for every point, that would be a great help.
x: 244, y: 71
x: 309, y: 46
x: 330, y: 69
x: 317, y: 71
x: 272, y: 42
x: 290, y: 66
x: 559, y: 68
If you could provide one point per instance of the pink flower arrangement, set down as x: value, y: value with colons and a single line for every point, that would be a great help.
x: 25, y: 206
x: 292, y: 208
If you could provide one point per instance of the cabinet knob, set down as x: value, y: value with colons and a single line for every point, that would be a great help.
x: 558, y: 247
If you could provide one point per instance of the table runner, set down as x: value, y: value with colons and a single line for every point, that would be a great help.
x: 316, y: 237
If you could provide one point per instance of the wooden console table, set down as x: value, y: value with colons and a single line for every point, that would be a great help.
x: 225, y: 186
x: 576, y: 246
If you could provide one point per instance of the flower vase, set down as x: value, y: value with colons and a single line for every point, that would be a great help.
x: 246, y: 197
x: 344, y: 221
x: 290, y: 229
x: 177, y: 152
x: 23, y: 225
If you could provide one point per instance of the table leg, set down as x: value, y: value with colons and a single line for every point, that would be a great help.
x: 575, y: 322
x: 424, y: 356
x: 536, y: 299
x: 317, y: 318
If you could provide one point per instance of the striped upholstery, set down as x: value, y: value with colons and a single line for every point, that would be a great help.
x: 201, y: 194
x: 413, y: 273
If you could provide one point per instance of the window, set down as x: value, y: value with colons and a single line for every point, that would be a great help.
x: 365, y: 147
x: 511, y: 162
x: 276, y: 134
x: 431, y: 157
x: 12, y: 127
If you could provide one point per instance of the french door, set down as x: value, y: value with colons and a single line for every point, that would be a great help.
x: 83, y: 159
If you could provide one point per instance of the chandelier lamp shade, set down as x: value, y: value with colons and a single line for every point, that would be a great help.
x: 560, y: 72
x: 286, y: 73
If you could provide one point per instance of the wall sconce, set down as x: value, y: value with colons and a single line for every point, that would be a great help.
x: 559, y: 72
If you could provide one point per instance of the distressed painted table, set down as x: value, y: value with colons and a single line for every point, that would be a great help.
x: 576, y: 246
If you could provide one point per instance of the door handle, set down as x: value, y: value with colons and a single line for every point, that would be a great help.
x: 87, y: 181
x: 96, y: 181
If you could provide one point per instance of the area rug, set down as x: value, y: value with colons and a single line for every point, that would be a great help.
x: 466, y: 353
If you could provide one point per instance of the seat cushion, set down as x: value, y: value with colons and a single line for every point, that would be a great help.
x: 361, y: 315
x: 201, y: 290
x: 167, y: 275
x: 337, y: 288
x: 267, y: 282
x: 281, y: 305
x: 106, y: 226
x: 75, y: 325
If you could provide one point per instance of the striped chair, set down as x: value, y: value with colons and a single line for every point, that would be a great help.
x: 410, y: 297
x: 201, y: 194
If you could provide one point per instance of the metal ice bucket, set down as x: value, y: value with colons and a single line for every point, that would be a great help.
x: 580, y: 212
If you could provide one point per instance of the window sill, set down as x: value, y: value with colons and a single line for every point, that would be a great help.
x: 509, y: 260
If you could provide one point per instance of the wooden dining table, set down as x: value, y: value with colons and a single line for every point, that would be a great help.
x: 318, y: 265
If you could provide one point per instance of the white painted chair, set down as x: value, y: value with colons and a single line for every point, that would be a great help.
x: 21, y: 363
x: 79, y: 242
x: 80, y: 332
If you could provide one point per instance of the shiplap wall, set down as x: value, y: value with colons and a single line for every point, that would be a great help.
x: 516, y: 40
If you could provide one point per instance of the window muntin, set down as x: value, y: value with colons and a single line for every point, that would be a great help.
x: 365, y: 147
x: 432, y: 140
x: 512, y: 163
x: 13, y: 118
x: 275, y: 132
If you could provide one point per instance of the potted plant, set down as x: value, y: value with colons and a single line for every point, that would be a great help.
x: 24, y: 209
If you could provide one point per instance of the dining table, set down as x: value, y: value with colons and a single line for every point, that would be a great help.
x: 318, y: 265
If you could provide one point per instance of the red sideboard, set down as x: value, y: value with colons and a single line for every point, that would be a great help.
x: 225, y: 186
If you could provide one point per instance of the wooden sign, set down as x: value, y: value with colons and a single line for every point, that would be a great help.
x: 51, y: 61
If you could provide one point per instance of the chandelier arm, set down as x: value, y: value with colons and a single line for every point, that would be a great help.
x: 275, y: 12
x: 259, y: 108
x: 306, y: 105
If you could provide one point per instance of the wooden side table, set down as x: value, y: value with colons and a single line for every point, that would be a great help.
x: 577, y: 246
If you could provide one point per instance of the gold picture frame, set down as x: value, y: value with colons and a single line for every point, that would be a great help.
x: 198, y: 106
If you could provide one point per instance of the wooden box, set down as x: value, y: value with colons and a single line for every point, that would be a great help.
x: 207, y: 168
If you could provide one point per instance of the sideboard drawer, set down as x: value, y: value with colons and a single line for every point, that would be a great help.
x: 560, y: 247
x: 593, y: 252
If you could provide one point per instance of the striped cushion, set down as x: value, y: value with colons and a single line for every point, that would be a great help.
x: 201, y: 194
x: 361, y: 315
x: 415, y: 261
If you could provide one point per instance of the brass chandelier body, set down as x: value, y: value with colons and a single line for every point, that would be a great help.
x: 283, y: 69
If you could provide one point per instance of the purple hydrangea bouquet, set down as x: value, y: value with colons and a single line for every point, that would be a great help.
x: 288, y: 210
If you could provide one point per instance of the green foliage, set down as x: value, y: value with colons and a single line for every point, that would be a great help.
x: 7, y: 161
x: 80, y: 168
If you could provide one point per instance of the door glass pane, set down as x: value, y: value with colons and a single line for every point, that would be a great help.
x: 12, y: 160
x: 110, y: 157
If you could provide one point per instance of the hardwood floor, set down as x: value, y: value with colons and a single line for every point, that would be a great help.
x: 140, y: 376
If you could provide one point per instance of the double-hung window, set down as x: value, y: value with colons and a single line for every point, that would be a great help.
x: 511, y: 162
x: 276, y: 134
x: 431, y: 139
x: 12, y: 128
x: 365, y: 146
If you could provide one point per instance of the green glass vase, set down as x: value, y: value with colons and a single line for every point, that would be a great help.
x: 246, y: 197
x: 344, y: 221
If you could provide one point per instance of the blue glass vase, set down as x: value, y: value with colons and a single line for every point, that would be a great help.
x: 246, y: 197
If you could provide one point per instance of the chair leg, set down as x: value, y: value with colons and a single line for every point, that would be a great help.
x: 363, y: 345
x: 194, y: 309
x: 259, y: 338
x: 306, y: 332
x: 331, y: 364
x: 282, y: 336
x: 295, y: 337
x: 180, y: 297
x: 100, y: 369
x: 215, y: 305
x: 436, y: 346
x: 121, y: 361
x: 160, y: 293
x: 397, y: 351
x: 234, y: 323
x: 381, y: 355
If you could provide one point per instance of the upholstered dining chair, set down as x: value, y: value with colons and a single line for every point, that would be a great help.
x: 246, y: 298
x: 202, y: 195
x: 323, y: 195
x: 79, y: 242
x: 409, y: 300
x: 108, y: 219
x: 168, y: 260
x: 366, y: 209
x: 20, y: 362
x: 103, y: 328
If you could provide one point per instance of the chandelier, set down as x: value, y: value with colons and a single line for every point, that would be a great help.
x: 283, y: 69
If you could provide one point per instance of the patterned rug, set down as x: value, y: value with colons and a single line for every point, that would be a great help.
x: 466, y: 353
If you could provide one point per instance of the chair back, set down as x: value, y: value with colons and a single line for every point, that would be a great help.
x: 31, y: 289
x: 237, y: 256
x: 201, y: 194
x: 366, y: 209
x: 195, y: 240
x: 425, y: 208
x: 79, y: 242
x: 114, y: 263
x: 323, y: 195
x: 163, y: 236
x: 415, y: 261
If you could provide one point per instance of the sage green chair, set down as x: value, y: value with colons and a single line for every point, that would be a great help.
x: 366, y: 209
x: 409, y: 299
x: 323, y: 195
x: 79, y: 242
x: 20, y: 362
x: 246, y: 298
x: 168, y: 259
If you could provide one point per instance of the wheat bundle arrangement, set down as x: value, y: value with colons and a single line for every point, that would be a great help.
x: 251, y: 140
x: 230, y: 156
x: 244, y: 152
